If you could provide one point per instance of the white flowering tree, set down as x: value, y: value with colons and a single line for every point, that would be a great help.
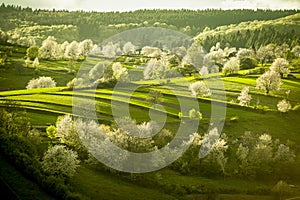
x: 214, y: 58
x: 93, y: 138
x: 255, y: 155
x: 27, y: 61
x: 232, y: 66
x: 284, y: 106
x: 63, y: 48
x: 126, y: 139
x: 266, y: 53
x: 41, y: 82
x: 97, y: 72
x: 157, y: 69
x: 128, y: 48
x: 284, y: 155
x: 85, y: 47
x: 67, y: 133
x: 204, y: 71
x: 60, y: 161
x: 152, y: 52
x: 213, y: 149
x: 119, y: 73
x: 36, y: 63
x: 281, y: 66
x: 194, y: 56
x: 244, y: 98
x: 268, y: 81
x: 245, y: 53
x: 282, y: 50
x: 296, y: 51
x: 110, y: 50
x: 49, y: 48
x: 200, y: 89
x: 71, y: 53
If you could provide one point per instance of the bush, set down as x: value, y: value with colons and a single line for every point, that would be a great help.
x: 14, y: 122
x: 23, y: 154
x: 60, y: 161
x: 19, y: 150
x: 32, y: 52
x: 248, y: 63
x: 284, y: 106
x: 41, y: 82
x: 257, y: 70
x: 280, y: 190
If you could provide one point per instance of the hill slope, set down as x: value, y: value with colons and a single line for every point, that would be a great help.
x: 79, y: 25
x: 254, y: 33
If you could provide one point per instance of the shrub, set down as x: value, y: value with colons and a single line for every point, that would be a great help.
x: 41, y: 82
x: 248, y: 63
x: 14, y: 122
x: 60, y: 161
x: 51, y: 132
x: 22, y: 153
x: 280, y: 190
x: 284, y: 106
x: 244, y: 98
x: 32, y: 52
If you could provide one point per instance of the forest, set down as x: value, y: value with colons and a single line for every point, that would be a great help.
x: 80, y: 25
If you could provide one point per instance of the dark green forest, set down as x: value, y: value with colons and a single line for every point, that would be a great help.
x: 64, y: 25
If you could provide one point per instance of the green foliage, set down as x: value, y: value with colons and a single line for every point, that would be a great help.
x: 256, y: 156
x: 195, y: 115
x: 162, y: 138
x: 248, y: 63
x: 22, y: 153
x: 78, y: 25
x: 32, y: 52
x: 51, y: 132
x: 187, y: 69
x: 254, y: 33
x: 14, y: 123
x: 154, y: 97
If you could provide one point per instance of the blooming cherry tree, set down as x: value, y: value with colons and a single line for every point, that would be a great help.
x: 200, y: 89
x: 284, y: 106
x: 270, y: 80
x: 244, y: 98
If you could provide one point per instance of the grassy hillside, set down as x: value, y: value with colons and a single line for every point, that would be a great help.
x: 44, y: 105
x: 93, y: 180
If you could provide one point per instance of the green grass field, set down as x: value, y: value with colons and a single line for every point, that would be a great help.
x: 45, y: 105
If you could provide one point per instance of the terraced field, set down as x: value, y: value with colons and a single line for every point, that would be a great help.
x: 44, y: 105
